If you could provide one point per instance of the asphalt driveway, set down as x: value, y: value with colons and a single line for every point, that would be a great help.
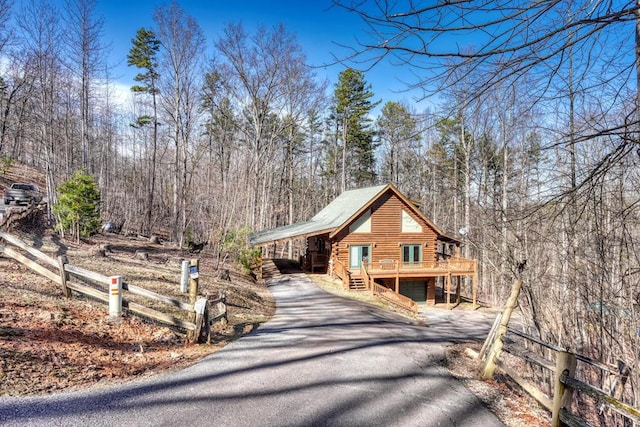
x: 321, y: 361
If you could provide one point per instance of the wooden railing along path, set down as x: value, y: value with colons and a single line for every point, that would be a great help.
x: 388, y: 294
x: 336, y: 268
x: 563, y: 368
x: 69, y: 278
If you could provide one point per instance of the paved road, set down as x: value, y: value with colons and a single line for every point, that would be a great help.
x: 321, y: 361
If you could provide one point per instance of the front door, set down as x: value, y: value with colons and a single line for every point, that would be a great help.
x: 359, y: 254
x: 411, y: 255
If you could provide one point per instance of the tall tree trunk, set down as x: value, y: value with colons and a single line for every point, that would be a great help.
x: 504, y: 205
x: 343, y: 181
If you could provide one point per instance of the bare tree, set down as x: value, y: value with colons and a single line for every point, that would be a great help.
x: 40, y: 32
x: 85, y: 52
x: 264, y: 75
x: 183, y: 48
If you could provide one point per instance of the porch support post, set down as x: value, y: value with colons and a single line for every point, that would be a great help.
x: 474, y: 283
x: 448, y: 291
x: 397, y: 277
x: 431, y: 291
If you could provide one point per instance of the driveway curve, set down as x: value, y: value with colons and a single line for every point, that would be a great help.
x: 321, y: 361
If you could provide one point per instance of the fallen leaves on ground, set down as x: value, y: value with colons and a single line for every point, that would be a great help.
x: 49, y: 343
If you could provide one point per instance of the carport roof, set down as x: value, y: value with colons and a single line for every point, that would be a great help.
x: 332, y: 216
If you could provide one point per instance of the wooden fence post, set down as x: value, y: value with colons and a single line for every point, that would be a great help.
x: 64, y: 276
x: 222, y: 308
x: 496, y: 347
x: 194, y: 274
x: 115, y: 297
x: 490, y: 337
x: 203, y: 326
x: 565, y: 366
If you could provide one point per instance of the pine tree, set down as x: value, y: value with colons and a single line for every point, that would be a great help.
x: 143, y: 55
x: 78, y: 207
x: 398, y: 134
x: 352, y: 106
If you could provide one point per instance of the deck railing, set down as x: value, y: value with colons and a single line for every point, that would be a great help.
x: 452, y: 264
x: 365, y: 276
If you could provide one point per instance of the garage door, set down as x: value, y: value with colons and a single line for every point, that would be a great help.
x: 417, y: 291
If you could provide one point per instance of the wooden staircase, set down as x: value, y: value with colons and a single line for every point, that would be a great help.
x: 269, y: 269
x: 357, y: 284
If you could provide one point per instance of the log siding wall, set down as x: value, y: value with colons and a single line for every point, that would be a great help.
x: 386, y: 235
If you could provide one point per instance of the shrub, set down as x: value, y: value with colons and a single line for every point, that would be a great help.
x: 78, y: 208
x: 234, y: 245
x: 250, y: 258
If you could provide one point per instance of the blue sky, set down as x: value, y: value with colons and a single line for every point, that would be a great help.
x: 318, y: 26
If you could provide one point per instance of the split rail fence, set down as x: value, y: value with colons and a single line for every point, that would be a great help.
x: 16, y: 214
x: 560, y: 374
x: 73, y: 278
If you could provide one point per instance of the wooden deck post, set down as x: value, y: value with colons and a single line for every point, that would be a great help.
x: 496, y: 347
x: 565, y: 366
x: 448, y: 291
x: 431, y: 291
x: 474, y: 284
x: 397, y: 277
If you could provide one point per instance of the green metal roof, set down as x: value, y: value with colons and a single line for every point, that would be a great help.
x: 332, y: 216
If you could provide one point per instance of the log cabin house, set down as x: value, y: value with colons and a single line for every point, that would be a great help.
x: 376, y: 239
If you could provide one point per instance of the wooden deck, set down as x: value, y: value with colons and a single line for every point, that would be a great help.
x: 452, y: 267
x: 392, y: 269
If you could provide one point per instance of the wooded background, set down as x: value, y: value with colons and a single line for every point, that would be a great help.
x: 530, y: 152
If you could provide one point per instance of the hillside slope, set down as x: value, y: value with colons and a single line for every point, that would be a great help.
x: 49, y: 343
